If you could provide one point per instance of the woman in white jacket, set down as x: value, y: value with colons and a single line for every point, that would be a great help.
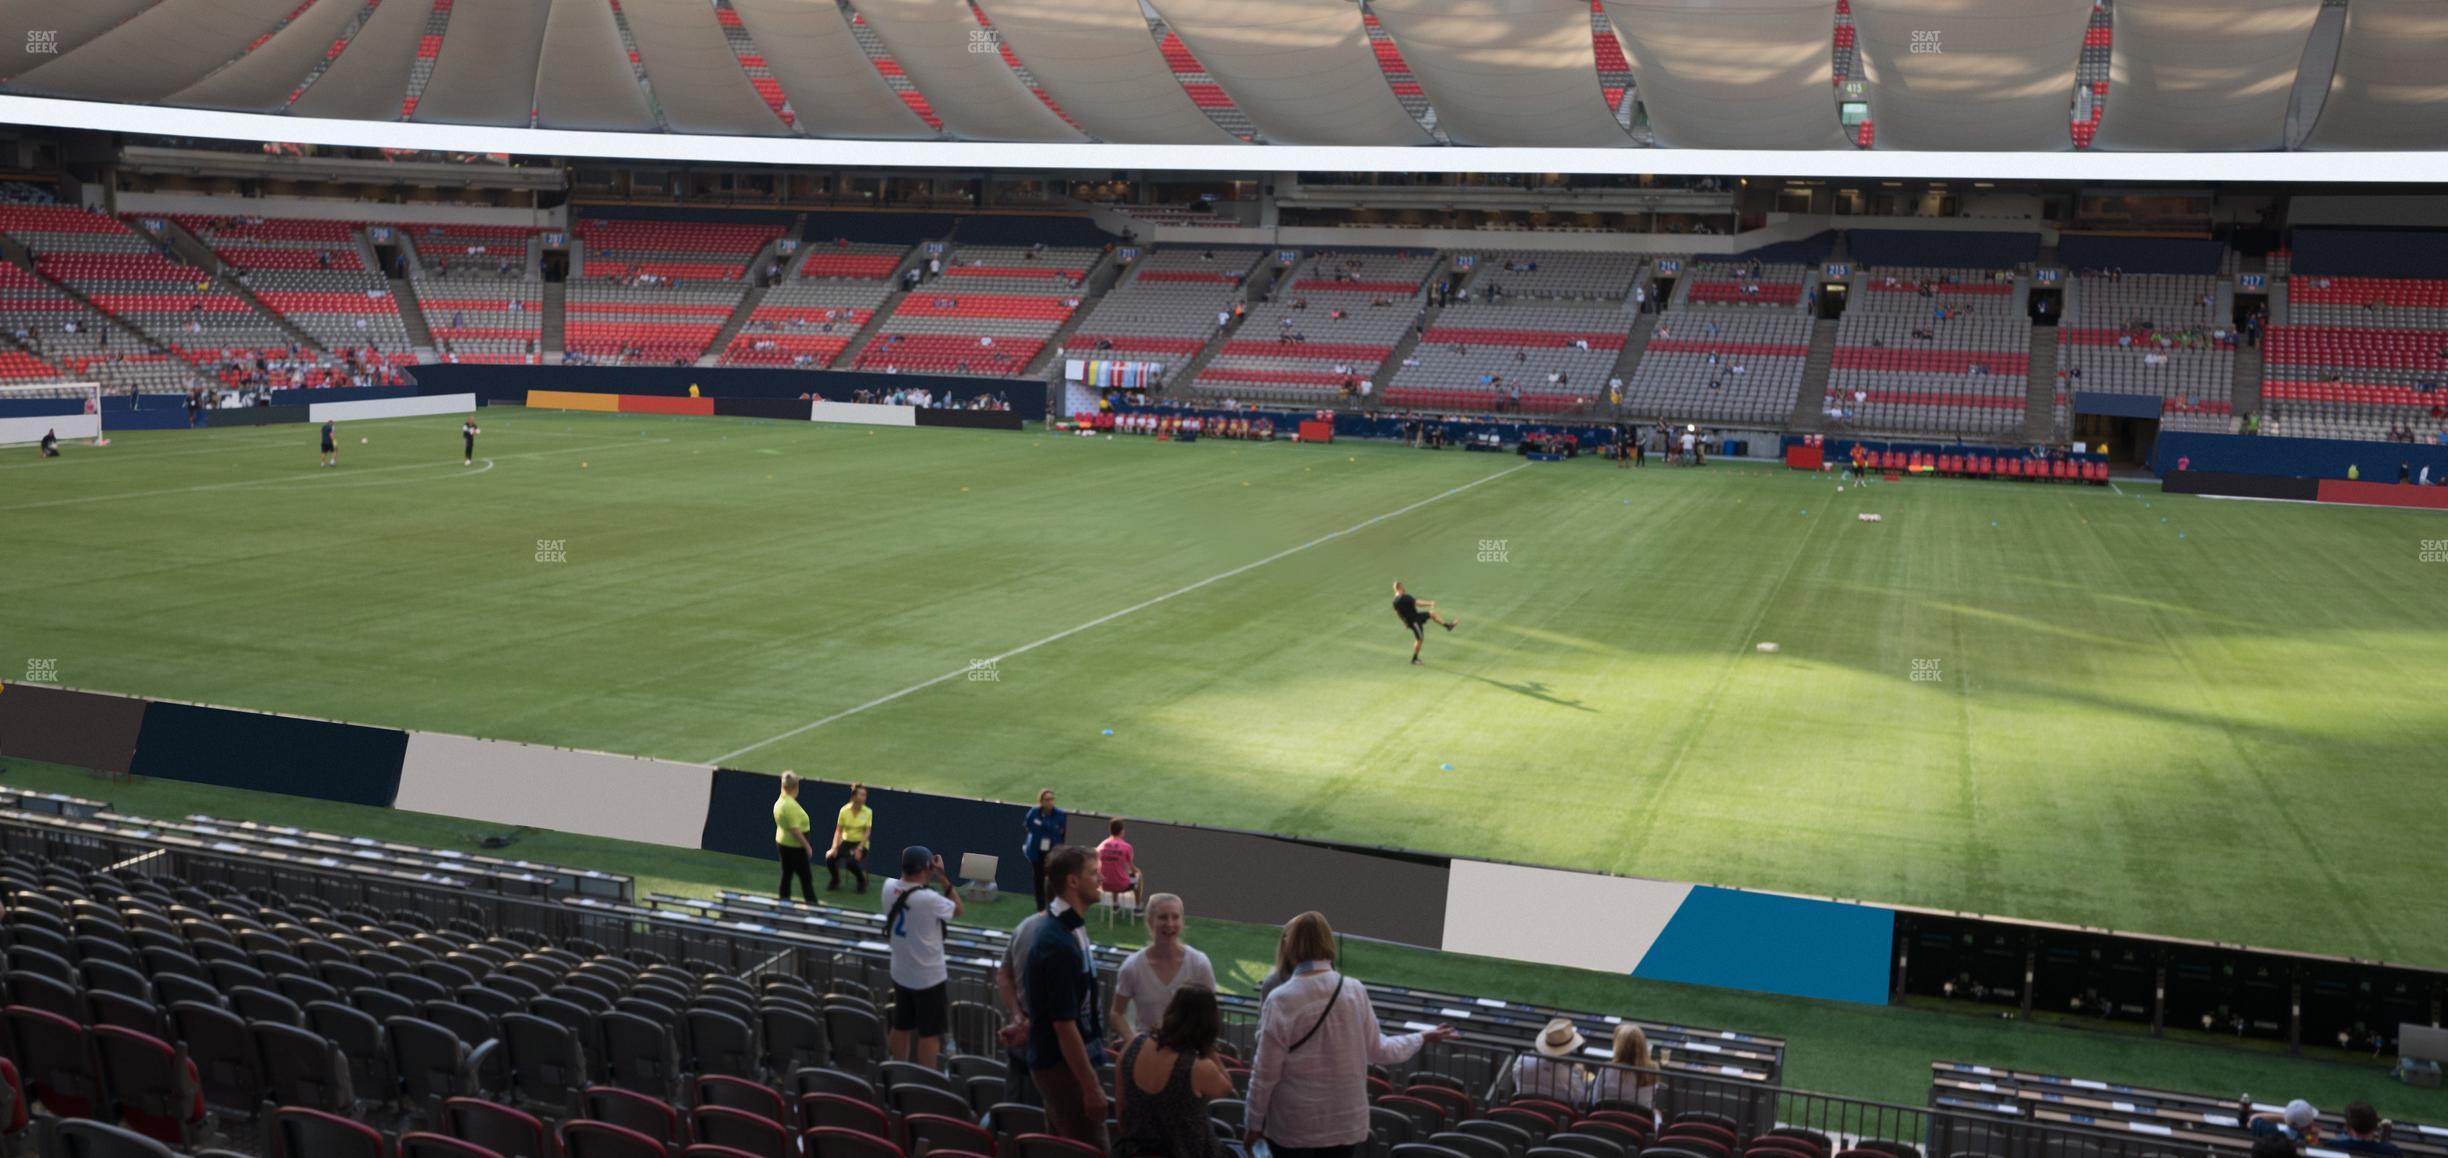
x: 1317, y: 1037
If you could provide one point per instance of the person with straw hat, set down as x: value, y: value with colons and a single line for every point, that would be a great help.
x: 1549, y: 1071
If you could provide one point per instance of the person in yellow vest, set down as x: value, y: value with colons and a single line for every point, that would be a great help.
x: 692, y: 390
x: 2353, y: 472
x: 791, y: 838
x: 851, y: 828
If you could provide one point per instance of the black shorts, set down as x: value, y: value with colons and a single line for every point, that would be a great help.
x: 327, y: 446
x: 1415, y: 625
x: 928, y: 1012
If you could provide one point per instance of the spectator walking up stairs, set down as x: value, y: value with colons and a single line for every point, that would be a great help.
x: 2040, y: 402
x: 2248, y: 378
x: 189, y: 248
x: 556, y: 318
x: 1809, y: 405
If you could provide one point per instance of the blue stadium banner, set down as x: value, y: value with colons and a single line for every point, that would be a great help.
x: 2049, y: 276
x: 2252, y: 281
x: 1837, y: 270
x: 1670, y: 266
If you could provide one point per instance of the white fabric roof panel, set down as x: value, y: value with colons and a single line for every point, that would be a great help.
x: 261, y: 80
x: 1302, y: 70
x: 834, y: 90
x: 1506, y: 72
x: 61, y: 26
x: 2390, y: 90
x: 2204, y: 75
x: 170, y: 46
x: 370, y: 79
x: 936, y: 42
x: 1971, y: 74
x: 696, y: 79
x: 1723, y: 74
x: 486, y: 72
x: 1099, y: 61
x: 585, y: 80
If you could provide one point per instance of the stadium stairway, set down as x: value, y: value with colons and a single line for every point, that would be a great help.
x: 189, y: 248
x: 2040, y: 390
x: 412, y: 314
x: 2245, y: 396
x: 875, y: 325
x: 1636, y: 343
x: 1809, y: 400
x: 556, y: 322
x: 732, y: 325
x: 24, y: 258
x: 1100, y: 280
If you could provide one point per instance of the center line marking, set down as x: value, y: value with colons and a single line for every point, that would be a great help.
x: 1058, y: 636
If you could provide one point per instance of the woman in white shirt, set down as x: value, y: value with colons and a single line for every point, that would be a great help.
x: 1149, y: 978
x: 1317, y: 1037
x: 1634, y: 1086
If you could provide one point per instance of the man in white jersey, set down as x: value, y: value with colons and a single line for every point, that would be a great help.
x: 915, y: 917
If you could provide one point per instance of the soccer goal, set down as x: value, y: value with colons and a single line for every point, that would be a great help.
x: 67, y: 409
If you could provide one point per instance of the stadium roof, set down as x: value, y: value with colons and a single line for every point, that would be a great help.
x: 1953, y: 87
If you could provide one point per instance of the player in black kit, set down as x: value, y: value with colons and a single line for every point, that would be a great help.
x: 1415, y: 614
x: 467, y: 440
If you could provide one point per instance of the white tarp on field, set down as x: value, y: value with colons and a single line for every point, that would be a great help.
x: 592, y: 793
x: 418, y: 406
x: 863, y: 414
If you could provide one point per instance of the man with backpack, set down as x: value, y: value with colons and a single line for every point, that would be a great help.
x: 915, y: 918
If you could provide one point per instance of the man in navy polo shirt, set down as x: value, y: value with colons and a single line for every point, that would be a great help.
x: 1059, y: 993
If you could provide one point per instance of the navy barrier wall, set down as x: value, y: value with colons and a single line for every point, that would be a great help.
x: 2181, y: 255
x: 2116, y: 405
x: 505, y: 383
x: 79, y: 729
x: 2293, y: 457
x: 2246, y: 486
x: 1390, y: 426
x: 348, y: 763
x: 789, y: 409
x: 969, y: 419
x: 1386, y: 894
x: 740, y: 821
x: 1955, y: 249
x: 2368, y: 252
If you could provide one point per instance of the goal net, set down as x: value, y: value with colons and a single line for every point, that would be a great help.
x: 67, y: 409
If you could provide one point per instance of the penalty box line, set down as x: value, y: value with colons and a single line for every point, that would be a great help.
x: 1109, y: 617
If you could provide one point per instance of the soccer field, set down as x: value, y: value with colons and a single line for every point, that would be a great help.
x: 2161, y: 714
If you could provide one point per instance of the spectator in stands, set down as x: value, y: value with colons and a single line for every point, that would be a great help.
x: 1548, y: 1071
x: 791, y: 837
x: 2299, y: 1123
x: 1117, y: 862
x: 1145, y: 985
x: 1177, y: 1057
x: 1317, y: 1036
x: 2366, y: 1133
x: 1058, y: 993
x: 917, y: 916
x: 1041, y: 833
x: 1636, y: 1086
x: 851, y: 828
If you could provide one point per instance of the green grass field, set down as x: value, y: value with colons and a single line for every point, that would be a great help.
x: 2153, y: 713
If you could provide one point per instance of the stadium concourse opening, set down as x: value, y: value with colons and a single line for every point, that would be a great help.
x: 1834, y: 557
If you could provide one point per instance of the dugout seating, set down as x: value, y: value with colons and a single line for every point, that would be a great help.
x: 2184, y: 1122
x: 1687, y: 370
x: 1977, y: 463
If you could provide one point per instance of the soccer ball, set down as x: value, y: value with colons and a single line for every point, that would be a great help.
x: 363, y: 441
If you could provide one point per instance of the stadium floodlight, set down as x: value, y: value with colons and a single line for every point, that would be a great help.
x: 68, y: 409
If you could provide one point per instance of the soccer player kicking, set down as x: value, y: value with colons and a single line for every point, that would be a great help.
x: 1416, y: 613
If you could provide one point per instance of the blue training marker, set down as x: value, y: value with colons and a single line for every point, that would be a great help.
x: 1993, y: 522
x: 1445, y: 767
x: 1109, y: 731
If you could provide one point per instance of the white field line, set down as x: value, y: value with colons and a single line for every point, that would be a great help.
x: 1109, y: 617
x: 339, y: 480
